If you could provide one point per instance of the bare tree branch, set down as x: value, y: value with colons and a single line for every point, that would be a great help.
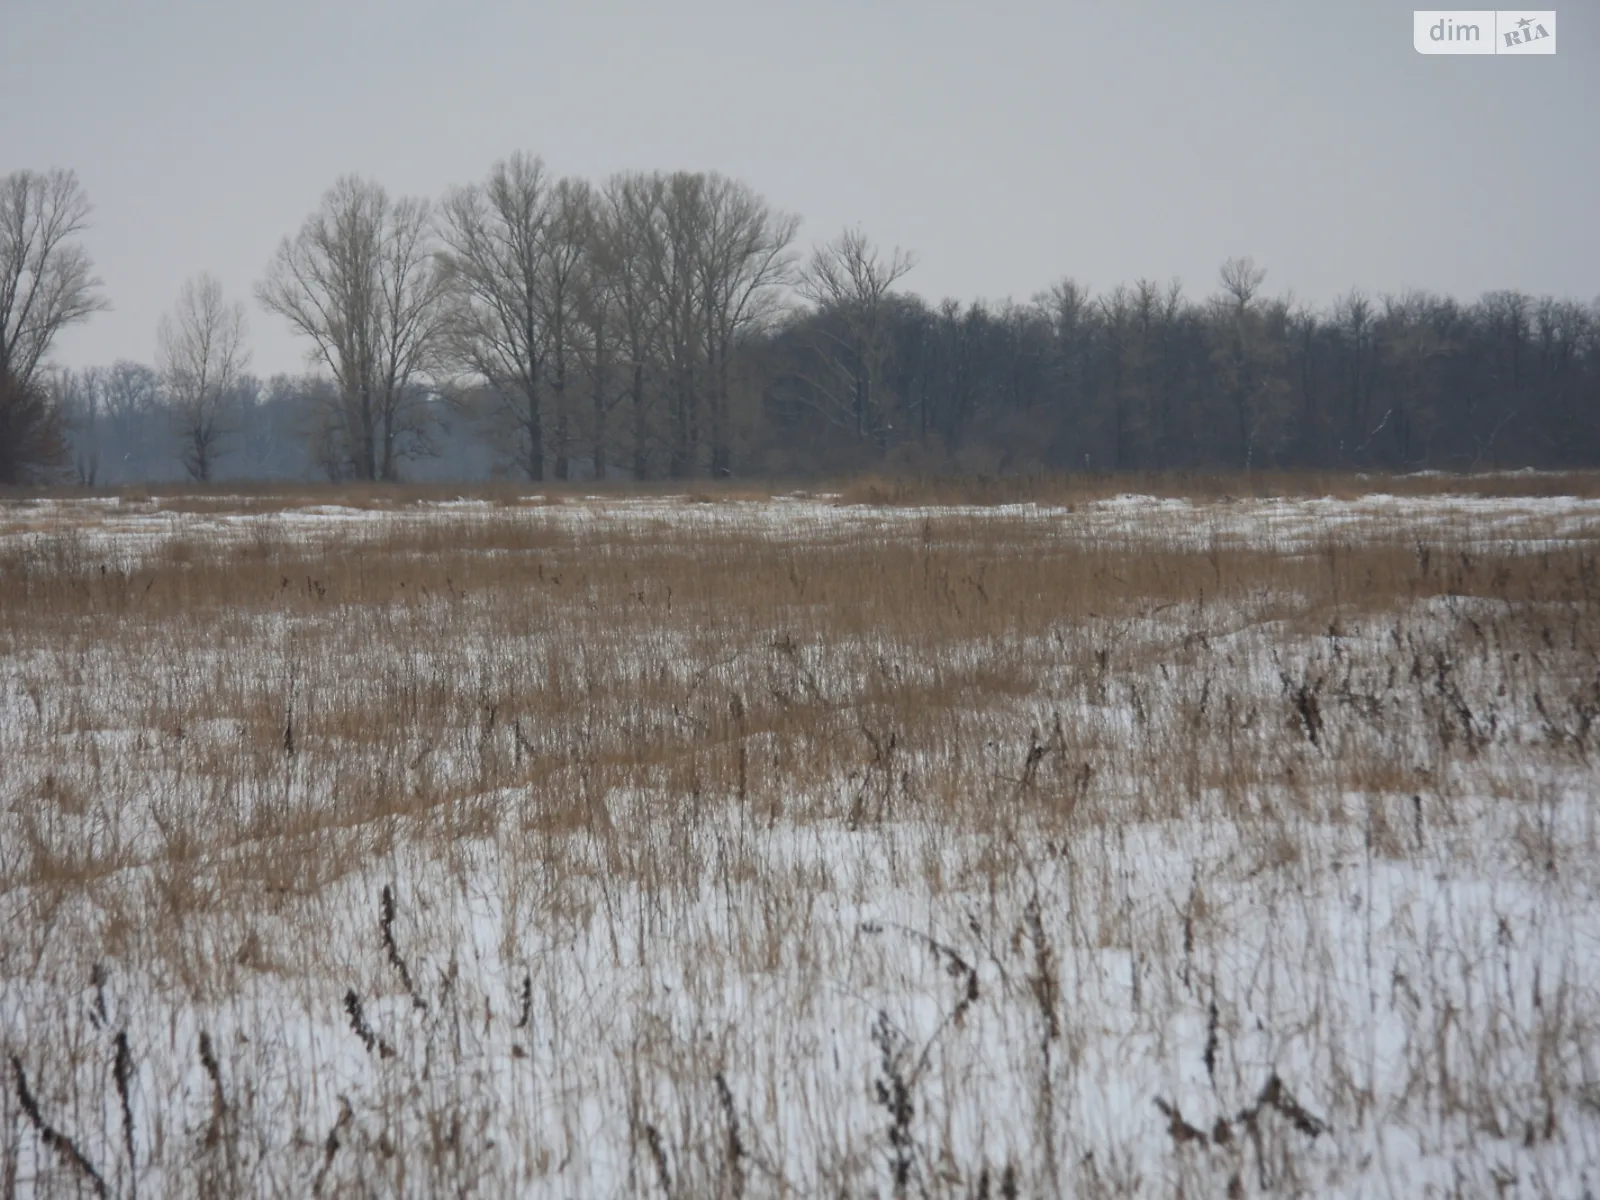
x: 361, y: 281
x: 46, y: 281
x: 201, y: 356
x: 496, y: 236
x: 850, y: 282
x: 46, y: 284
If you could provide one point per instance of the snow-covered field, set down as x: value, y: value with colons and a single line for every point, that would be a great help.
x: 789, y: 848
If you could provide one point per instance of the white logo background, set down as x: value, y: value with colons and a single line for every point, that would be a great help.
x: 1484, y: 31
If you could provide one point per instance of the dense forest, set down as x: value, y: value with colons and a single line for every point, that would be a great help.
x: 668, y: 326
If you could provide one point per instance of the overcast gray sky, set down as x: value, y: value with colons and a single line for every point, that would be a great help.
x: 1006, y: 142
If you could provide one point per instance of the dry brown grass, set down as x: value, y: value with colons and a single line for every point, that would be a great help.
x: 892, y: 488
x: 265, y: 496
x: 212, y: 730
x: 1222, y: 486
x: 573, y: 663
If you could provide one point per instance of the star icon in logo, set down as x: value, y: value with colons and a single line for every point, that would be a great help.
x: 1524, y: 23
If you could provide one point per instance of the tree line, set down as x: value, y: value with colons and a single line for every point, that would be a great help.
x: 668, y: 325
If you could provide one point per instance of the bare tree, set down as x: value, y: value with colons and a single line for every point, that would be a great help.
x: 31, y: 441
x: 46, y: 284
x: 361, y: 281
x: 670, y: 242
x: 628, y: 210
x: 1116, y: 323
x: 130, y: 397
x: 1354, y: 322
x: 201, y: 356
x: 716, y: 257
x: 516, y: 246
x: 849, y: 281
x: 496, y: 236
x: 79, y: 400
x: 742, y: 262
x: 1241, y: 280
x: 1069, y: 312
x: 600, y: 332
x: 571, y: 219
x: 1247, y: 357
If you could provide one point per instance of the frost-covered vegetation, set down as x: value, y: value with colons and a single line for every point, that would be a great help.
x: 790, y: 847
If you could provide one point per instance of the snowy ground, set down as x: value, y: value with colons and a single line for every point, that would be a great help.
x: 790, y: 848
x: 124, y: 526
